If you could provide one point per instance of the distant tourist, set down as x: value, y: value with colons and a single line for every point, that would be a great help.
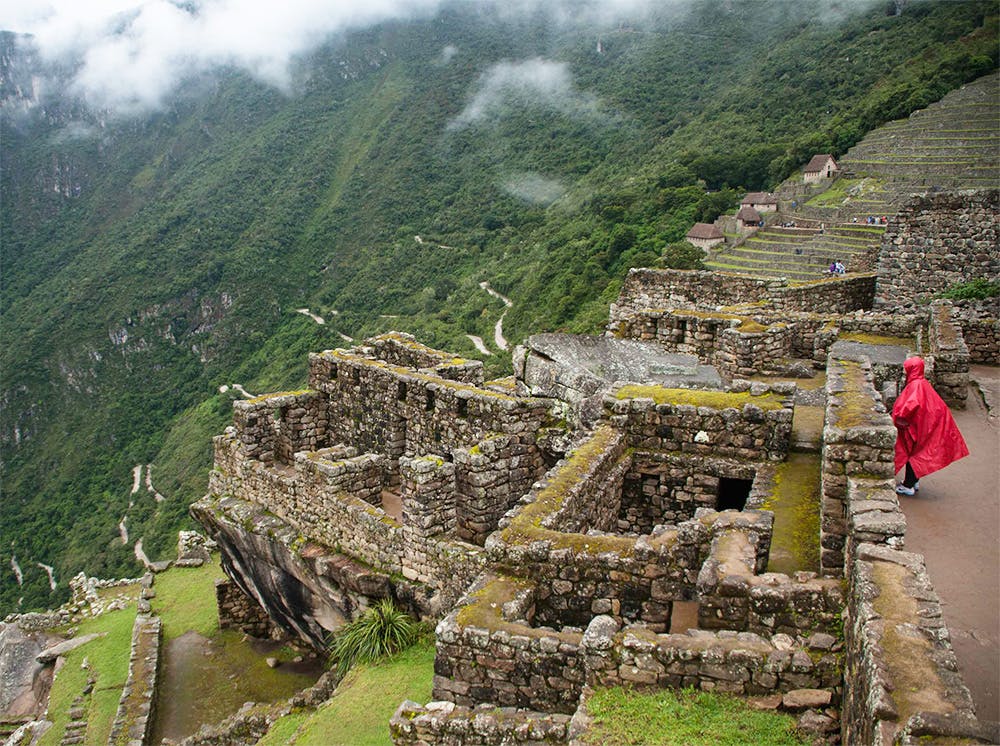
x: 836, y: 268
x: 927, y: 438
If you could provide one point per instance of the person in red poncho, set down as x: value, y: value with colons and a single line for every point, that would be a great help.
x: 927, y: 437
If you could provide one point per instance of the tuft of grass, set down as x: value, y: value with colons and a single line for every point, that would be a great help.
x: 622, y: 717
x: 381, y: 631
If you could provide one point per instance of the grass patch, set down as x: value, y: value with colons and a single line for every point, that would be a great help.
x: 874, y: 339
x: 208, y: 673
x: 108, y: 659
x: 185, y: 599
x: 359, y: 711
x: 622, y: 717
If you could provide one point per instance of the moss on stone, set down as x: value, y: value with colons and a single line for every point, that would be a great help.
x: 278, y: 394
x: 526, y: 527
x: 486, y: 610
x: 856, y: 408
x: 875, y: 339
x: 795, y: 502
x: 411, y: 373
x: 915, y: 685
x: 700, y: 398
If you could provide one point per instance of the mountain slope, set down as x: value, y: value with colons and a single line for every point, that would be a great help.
x: 148, y: 263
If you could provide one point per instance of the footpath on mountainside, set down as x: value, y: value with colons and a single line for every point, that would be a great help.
x: 953, y: 521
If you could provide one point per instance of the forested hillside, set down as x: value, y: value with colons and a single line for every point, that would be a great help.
x: 148, y: 263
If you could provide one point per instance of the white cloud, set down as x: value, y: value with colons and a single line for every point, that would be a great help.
x: 536, y: 82
x: 534, y: 188
x: 132, y: 54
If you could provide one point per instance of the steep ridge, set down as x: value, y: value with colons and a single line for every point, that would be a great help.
x: 952, y: 144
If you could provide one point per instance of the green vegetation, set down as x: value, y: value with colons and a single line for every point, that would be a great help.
x: 359, y: 711
x: 622, y: 717
x: 978, y: 289
x: 193, y: 237
x: 108, y: 660
x: 381, y: 631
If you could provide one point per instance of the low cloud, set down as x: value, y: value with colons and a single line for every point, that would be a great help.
x: 534, y: 82
x: 533, y: 188
x: 131, y: 55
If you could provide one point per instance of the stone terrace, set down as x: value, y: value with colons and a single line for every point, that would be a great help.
x: 952, y: 145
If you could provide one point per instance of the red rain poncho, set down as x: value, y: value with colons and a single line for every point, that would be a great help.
x: 927, y: 434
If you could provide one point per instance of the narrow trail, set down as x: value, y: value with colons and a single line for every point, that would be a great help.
x: 149, y: 484
x: 345, y: 337
x: 18, y: 575
x: 136, y: 478
x: 123, y: 530
x: 498, y: 337
x: 141, y: 555
x: 235, y: 387
x: 478, y: 342
x: 50, y: 571
x: 306, y: 312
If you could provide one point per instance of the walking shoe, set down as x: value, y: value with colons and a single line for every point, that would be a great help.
x: 916, y: 486
x: 902, y: 489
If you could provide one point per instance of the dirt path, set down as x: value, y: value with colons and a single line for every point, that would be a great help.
x: 479, y: 344
x: 236, y: 387
x: 50, y: 571
x: 498, y: 337
x: 16, y: 568
x: 306, y: 312
x: 953, y: 521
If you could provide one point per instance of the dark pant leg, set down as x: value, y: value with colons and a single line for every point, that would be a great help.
x: 909, y: 477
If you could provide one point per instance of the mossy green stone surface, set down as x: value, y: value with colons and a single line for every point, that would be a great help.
x: 795, y: 501
x: 697, y: 398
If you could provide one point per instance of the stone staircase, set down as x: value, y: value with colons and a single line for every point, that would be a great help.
x: 952, y: 144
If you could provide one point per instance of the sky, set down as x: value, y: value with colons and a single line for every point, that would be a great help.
x: 131, y: 55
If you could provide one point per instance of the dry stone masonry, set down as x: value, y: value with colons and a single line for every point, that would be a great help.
x: 599, y: 520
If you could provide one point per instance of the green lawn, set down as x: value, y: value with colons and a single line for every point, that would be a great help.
x: 108, y: 660
x: 358, y: 713
x: 622, y: 717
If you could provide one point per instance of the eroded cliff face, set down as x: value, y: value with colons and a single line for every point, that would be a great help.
x: 305, y: 588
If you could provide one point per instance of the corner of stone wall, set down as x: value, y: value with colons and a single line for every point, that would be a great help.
x: 901, y: 675
x: 951, y: 355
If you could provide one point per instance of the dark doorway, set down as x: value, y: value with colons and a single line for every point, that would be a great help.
x: 733, y: 493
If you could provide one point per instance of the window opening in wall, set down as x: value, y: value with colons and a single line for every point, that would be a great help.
x: 333, y: 372
x: 430, y: 401
x: 733, y: 493
x: 401, y: 392
x: 356, y: 375
x: 463, y: 408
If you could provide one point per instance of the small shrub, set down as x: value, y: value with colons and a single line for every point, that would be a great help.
x: 978, y: 289
x: 379, y: 632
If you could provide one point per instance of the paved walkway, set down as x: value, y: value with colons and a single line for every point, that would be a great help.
x: 954, y: 521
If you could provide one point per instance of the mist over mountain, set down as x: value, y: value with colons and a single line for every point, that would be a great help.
x: 188, y: 189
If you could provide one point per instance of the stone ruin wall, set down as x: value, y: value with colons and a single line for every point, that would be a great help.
x: 951, y: 355
x: 650, y: 289
x: 858, y: 440
x: 980, y: 323
x: 897, y: 647
x: 935, y: 241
